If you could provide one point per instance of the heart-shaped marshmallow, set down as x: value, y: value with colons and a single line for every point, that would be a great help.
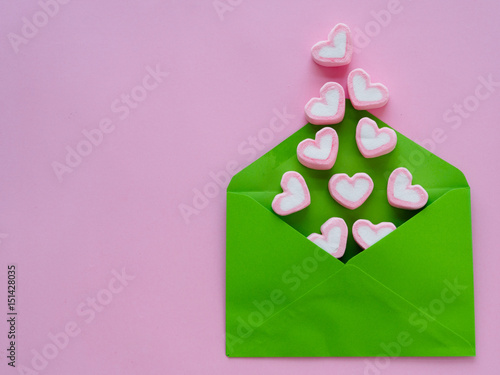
x: 350, y: 192
x: 321, y: 152
x: 363, y: 93
x: 366, y: 234
x: 335, y: 51
x: 402, y: 194
x: 372, y: 141
x: 295, y: 194
x: 329, y: 108
x: 333, y: 237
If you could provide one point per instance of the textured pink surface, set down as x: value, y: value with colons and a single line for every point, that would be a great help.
x: 359, y: 182
x: 377, y: 134
x: 324, y: 100
x: 237, y: 86
x: 367, y: 85
x: 325, y: 139
x: 300, y: 197
x: 342, y: 50
x: 331, y: 243
x: 409, y: 188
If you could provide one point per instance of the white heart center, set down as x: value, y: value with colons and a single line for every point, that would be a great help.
x: 332, y: 243
x: 401, y: 190
x: 370, y: 236
x: 323, y: 151
x: 354, y: 192
x: 364, y: 94
x: 296, y: 197
x: 331, y: 106
x: 370, y: 140
x: 337, y: 50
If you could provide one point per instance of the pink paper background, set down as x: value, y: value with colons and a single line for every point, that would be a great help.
x: 120, y: 207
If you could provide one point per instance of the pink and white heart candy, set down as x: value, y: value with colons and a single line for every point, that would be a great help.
x: 350, y: 192
x: 363, y: 93
x: 337, y: 50
x: 366, y: 234
x: 329, y: 108
x: 372, y: 141
x: 319, y: 153
x: 295, y: 196
x: 333, y: 237
x: 402, y: 194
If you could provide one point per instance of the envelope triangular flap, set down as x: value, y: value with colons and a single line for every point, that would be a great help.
x: 258, y: 176
x: 261, y: 179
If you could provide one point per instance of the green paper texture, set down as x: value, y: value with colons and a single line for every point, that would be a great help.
x: 410, y: 294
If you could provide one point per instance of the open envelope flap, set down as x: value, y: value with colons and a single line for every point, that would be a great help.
x: 326, y: 308
x: 261, y: 179
x: 429, y: 170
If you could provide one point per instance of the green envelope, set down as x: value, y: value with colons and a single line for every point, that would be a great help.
x: 410, y: 294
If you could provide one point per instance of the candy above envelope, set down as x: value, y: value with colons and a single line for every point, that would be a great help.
x: 337, y: 50
x: 320, y: 152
